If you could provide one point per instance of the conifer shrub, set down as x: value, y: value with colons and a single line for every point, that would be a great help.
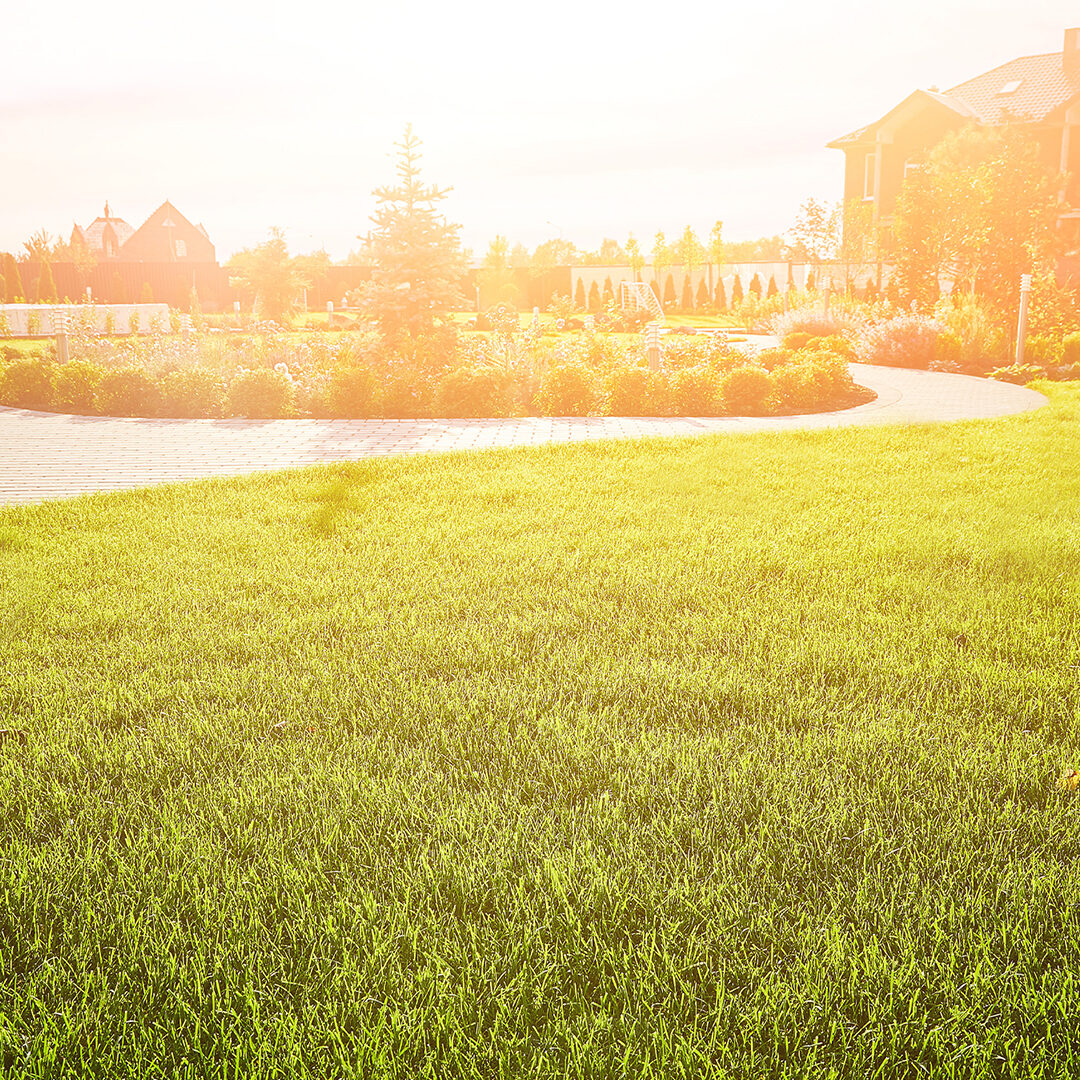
x: 755, y: 287
x: 687, y: 295
x: 195, y: 392
x: 353, y: 392
x: 472, y: 392
x: 75, y: 387
x: 773, y: 289
x: 567, y: 390
x: 45, y: 290
x: 669, y: 292
x: 147, y: 294
x: 745, y: 391
x: 736, y: 291
x: 127, y: 391
x: 721, y: 296
x: 608, y: 296
x: 594, y: 297
x: 579, y: 296
x: 28, y: 384
x: 260, y: 394
x: 703, y: 298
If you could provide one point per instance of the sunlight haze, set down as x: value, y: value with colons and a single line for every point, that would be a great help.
x: 553, y: 120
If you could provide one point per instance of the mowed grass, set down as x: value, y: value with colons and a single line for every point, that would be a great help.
x: 726, y: 757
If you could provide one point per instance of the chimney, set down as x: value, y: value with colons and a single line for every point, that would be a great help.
x: 1070, y: 57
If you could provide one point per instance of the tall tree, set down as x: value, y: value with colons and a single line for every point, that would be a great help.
x: 12, y: 278
x: 634, y: 257
x: 269, y: 276
x: 982, y: 212
x: 417, y: 256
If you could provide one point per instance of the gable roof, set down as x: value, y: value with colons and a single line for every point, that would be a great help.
x: 93, y: 234
x: 1043, y: 86
x: 917, y: 97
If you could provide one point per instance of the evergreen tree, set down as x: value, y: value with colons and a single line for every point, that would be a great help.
x: 703, y: 294
x: 736, y: 291
x: 12, y: 278
x: 147, y: 296
x: 268, y: 275
x: 811, y: 285
x: 416, y: 253
x: 579, y: 296
x: 687, y: 295
x: 609, y: 292
x: 45, y: 292
x: 755, y: 287
x: 721, y: 296
x: 773, y: 289
x: 594, y: 297
x: 117, y: 290
x: 669, y: 292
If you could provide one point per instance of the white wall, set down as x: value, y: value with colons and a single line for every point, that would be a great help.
x: 90, y: 316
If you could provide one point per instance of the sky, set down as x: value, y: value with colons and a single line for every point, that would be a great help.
x: 548, y: 120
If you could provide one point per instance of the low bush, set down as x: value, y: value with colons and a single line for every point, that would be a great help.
x: 1020, y: 374
x: 636, y: 391
x: 406, y: 394
x: 1070, y: 348
x: 261, y: 394
x: 127, y: 391
x: 907, y: 341
x: 75, y: 388
x: 28, y: 384
x: 353, y: 392
x: 694, y: 392
x: 195, y: 392
x: 746, y: 390
x: 567, y: 390
x: 472, y: 392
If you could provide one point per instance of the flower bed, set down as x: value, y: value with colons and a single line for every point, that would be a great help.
x: 510, y: 372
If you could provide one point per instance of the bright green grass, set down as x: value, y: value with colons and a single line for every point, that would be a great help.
x: 731, y: 756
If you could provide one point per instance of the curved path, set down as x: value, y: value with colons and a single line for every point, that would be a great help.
x: 46, y: 455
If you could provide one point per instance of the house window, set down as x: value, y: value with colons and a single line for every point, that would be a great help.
x: 181, y: 249
x: 868, y: 176
x: 1010, y: 87
x: 913, y: 165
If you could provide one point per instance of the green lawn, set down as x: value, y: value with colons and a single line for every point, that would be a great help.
x: 723, y: 757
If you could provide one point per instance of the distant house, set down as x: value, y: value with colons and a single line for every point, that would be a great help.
x: 166, y: 236
x: 104, y: 236
x: 1040, y: 92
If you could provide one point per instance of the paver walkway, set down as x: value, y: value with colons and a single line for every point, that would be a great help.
x: 45, y: 456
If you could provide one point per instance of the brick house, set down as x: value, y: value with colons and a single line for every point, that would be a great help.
x: 1040, y: 92
x: 165, y: 236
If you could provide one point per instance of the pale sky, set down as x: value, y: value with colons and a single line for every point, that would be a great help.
x: 547, y: 119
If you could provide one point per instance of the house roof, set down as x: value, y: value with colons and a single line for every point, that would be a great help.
x: 93, y: 233
x: 1035, y: 88
x: 866, y: 134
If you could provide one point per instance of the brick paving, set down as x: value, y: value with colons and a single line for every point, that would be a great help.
x: 46, y: 456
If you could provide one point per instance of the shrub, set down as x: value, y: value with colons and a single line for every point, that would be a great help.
x: 746, y: 390
x: 566, y: 390
x: 1044, y: 351
x: 127, y: 392
x: 195, y: 392
x: 794, y: 388
x: 1070, y: 348
x: 261, y: 394
x: 636, y: 391
x: 75, y: 388
x: 754, y: 288
x: 1021, y: 374
x: 810, y: 321
x: 694, y: 392
x: 28, y: 384
x: 472, y: 392
x: 736, y: 291
x: 908, y: 341
x: 353, y: 392
x: 407, y: 394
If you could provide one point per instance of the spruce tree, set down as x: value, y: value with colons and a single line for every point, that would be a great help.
x: 736, y: 291
x: 721, y: 295
x: 609, y: 292
x: 687, y: 295
x: 669, y: 292
x: 12, y: 279
x: 703, y: 294
x: 755, y: 287
x: 579, y: 296
x: 594, y: 297
x: 773, y: 289
x: 416, y: 253
x: 45, y: 293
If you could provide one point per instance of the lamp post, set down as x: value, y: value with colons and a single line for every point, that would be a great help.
x: 1021, y: 322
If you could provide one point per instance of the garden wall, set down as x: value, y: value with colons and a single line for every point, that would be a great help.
x: 93, y: 316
